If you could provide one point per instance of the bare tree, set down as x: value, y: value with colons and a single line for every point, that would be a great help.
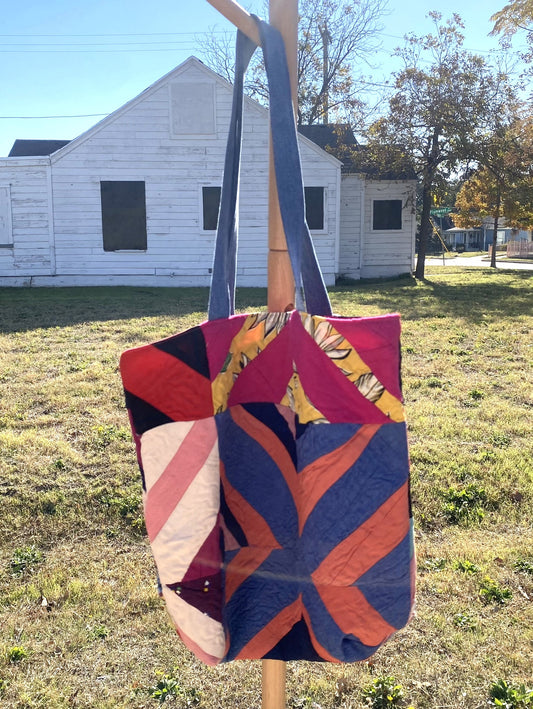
x: 333, y: 39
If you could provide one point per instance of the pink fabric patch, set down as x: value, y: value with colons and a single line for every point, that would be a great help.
x: 266, y: 377
x: 197, y: 650
x: 187, y: 462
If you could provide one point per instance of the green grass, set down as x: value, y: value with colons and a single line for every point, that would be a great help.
x: 81, y: 622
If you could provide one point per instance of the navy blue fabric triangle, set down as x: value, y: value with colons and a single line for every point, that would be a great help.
x: 144, y: 415
x: 296, y: 645
x: 189, y: 347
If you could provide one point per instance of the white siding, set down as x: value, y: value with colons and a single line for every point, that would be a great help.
x: 25, y: 184
x: 139, y: 142
x: 389, y: 253
x: 352, y: 196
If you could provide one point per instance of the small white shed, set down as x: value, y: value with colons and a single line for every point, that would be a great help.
x: 134, y: 200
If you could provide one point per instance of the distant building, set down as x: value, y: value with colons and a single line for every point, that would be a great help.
x: 480, y: 238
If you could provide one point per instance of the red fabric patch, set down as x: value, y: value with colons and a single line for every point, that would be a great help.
x: 328, y: 389
x: 377, y: 341
x: 166, y: 383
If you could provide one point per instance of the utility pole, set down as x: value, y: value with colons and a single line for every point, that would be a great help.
x: 326, y: 39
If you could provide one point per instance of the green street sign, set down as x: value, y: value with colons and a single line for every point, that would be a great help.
x: 440, y: 211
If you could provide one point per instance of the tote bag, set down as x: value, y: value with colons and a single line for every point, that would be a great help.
x: 273, y: 449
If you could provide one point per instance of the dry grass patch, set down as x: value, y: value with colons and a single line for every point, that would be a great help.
x: 82, y: 625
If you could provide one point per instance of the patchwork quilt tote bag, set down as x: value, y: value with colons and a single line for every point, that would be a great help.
x: 273, y: 450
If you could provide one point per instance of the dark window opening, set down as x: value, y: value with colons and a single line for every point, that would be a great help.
x: 211, y: 205
x: 123, y: 215
x: 314, y: 208
x: 387, y: 214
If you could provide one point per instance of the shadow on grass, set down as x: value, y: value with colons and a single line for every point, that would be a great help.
x: 23, y: 309
x: 467, y: 293
x: 471, y: 293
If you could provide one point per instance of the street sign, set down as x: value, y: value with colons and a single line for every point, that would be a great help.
x: 440, y: 211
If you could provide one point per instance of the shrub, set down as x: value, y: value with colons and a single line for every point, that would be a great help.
x: 383, y: 692
x: 25, y: 559
x: 503, y: 694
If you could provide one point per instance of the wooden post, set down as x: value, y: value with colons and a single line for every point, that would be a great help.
x: 236, y: 14
x: 274, y: 673
x: 283, y: 14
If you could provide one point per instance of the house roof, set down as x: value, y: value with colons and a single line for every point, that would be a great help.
x: 457, y: 229
x: 24, y: 148
x: 364, y: 162
x: 329, y: 135
x: 486, y: 223
x: 323, y: 135
x: 67, y: 146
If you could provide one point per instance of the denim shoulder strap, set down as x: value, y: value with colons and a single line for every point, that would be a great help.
x: 222, y: 294
x: 289, y: 180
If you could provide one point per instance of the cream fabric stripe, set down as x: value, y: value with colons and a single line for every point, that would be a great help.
x: 188, y: 460
x: 158, y: 447
x: 190, y: 523
x: 205, y: 632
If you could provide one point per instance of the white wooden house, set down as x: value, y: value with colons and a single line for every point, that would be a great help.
x: 133, y: 200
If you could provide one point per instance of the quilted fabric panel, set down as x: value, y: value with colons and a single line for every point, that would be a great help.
x: 322, y: 527
x: 274, y: 455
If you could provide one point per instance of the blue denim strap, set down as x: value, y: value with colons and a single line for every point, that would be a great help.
x: 289, y: 175
x: 222, y: 293
x: 287, y: 165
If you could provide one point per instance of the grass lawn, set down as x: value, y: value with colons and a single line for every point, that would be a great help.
x: 81, y: 624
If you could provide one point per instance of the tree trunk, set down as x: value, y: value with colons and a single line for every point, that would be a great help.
x: 425, y: 228
x: 495, y: 232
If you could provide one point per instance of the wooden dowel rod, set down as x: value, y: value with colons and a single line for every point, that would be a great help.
x: 283, y: 16
x: 236, y: 14
x: 273, y: 680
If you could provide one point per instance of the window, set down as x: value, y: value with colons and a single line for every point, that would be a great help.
x: 192, y: 109
x: 387, y: 214
x: 123, y: 215
x: 210, y: 206
x: 6, y: 232
x: 314, y: 208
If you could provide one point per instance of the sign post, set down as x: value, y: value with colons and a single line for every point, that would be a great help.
x: 441, y: 212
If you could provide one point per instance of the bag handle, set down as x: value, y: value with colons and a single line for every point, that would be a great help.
x: 304, y: 263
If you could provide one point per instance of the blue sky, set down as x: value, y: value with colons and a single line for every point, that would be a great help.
x: 61, y: 58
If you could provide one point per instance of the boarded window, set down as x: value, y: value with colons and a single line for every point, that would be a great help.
x: 314, y: 208
x: 123, y: 215
x: 210, y: 205
x: 387, y: 214
x: 192, y: 109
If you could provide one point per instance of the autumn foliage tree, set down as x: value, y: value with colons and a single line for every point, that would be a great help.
x: 441, y: 97
x: 502, y: 185
x: 515, y: 16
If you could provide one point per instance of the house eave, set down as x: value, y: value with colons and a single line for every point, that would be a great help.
x: 25, y: 161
